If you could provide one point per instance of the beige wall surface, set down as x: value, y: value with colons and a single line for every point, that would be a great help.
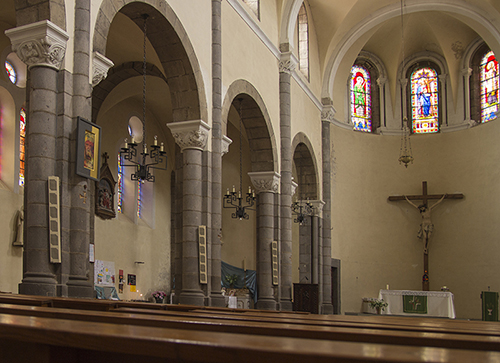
x: 377, y: 239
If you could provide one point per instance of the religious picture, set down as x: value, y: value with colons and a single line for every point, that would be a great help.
x: 360, y: 99
x: 424, y: 100
x: 489, y: 87
x: 89, y: 159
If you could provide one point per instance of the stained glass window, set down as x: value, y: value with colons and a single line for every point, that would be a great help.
x: 120, y: 184
x: 303, y: 41
x: 489, y: 87
x: 361, y: 103
x: 424, y: 101
x: 11, y: 72
x: 22, y: 145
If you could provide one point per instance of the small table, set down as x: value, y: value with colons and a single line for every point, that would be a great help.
x: 439, y: 304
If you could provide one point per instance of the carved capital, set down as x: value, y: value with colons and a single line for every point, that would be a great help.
x: 467, y: 72
x: 287, y: 63
x: 317, y: 207
x: 328, y: 113
x: 190, y: 134
x: 294, y: 188
x: 39, y: 44
x: 265, y: 181
x: 100, y: 68
x: 226, y: 141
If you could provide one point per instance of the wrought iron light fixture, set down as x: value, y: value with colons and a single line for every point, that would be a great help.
x: 302, y: 210
x: 405, y: 153
x: 146, y: 160
x: 234, y: 199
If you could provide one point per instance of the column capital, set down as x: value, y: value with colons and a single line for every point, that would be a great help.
x: 466, y: 72
x: 225, y: 142
x: 265, y: 181
x: 39, y: 44
x: 294, y: 187
x: 190, y: 134
x: 317, y: 207
x: 287, y: 63
x: 100, y: 68
x: 328, y: 113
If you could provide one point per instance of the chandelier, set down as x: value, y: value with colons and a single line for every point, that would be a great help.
x: 234, y: 199
x: 302, y: 210
x: 156, y: 156
x: 405, y: 153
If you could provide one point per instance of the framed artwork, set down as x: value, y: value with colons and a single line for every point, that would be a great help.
x: 88, y: 144
x: 105, y: 192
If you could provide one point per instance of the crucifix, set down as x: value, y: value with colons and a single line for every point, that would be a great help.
x: 426, y: 226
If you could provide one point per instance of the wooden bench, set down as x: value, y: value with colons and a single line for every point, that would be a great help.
x: 48, y: 340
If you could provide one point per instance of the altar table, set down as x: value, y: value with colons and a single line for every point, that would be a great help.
x: 439, y: 304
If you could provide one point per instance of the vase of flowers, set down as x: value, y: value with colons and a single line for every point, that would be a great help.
x: 159, y: 296
x: 378, y: 304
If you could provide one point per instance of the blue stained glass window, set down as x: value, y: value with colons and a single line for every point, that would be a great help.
x: 139, y: 199
x: 424, y: 101
x: 489, y: 87
x: 361, y: 102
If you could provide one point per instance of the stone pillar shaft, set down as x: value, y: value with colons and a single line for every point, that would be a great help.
x: 216, y: 298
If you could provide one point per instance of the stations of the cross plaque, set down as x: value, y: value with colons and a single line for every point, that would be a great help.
x: 426, y: 226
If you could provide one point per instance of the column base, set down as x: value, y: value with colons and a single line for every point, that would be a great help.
x: 327, y: 309
x: 80, y: 288
x: 286, y: 305
x: 41, y: 286
x: 190, y: 297
x: 266, y: 304
x: 217, y: 300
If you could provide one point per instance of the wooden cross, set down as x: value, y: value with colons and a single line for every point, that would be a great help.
x: 425, y: 198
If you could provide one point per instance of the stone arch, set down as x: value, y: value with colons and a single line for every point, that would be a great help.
x: 257, y: 124
x: 476, y: 19
x: 290, y: 13
x: 306, y: 167
x: 30, y: 12
x: 172, y: 45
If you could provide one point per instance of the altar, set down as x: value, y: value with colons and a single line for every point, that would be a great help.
x: 418, y: 303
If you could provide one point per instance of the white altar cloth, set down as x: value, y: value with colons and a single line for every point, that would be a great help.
x: 439, y: 304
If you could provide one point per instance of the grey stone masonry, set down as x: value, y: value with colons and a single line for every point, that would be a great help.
x: 192, y: 137
x: 216, y: 298
x: 42, y: 47
x: 286, y: 182
x: 266, y: 185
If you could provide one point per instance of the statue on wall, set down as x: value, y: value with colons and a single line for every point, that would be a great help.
x: 19, y: 229
x: 105, y: 192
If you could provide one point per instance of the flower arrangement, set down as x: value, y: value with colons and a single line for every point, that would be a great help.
x: 378, y: 304
x: 159, y: 295
x: 231, y: 280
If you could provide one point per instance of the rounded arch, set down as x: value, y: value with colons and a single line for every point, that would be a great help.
x: 306, y: 166
x: 477, y: 19
x: 289, y: 18
x: 171, y: 43
x: 257, y: 122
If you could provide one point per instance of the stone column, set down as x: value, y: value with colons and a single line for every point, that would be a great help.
x: 326, y: 258
x: 216, y: 298
x: 318, y: 211
x: 381, y: 82
x: 466, y: 73
x: 42, y: 47
x: 404, y: 96
x: 266, y: 185
x: 286, y: 66
x: 444, y: 99
x: 191, y: 136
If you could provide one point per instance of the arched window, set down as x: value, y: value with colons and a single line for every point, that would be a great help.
x: 303, y: 41
x: 489, y: 79
x: 11, y: 72
x: 22, y: 145
x: 361, y: 100
x: 120, y: 185
x: 255, y: 6
x: 424, y: 86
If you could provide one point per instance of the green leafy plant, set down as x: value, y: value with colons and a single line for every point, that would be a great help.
x: 378, y: 303
x: 231, y: 280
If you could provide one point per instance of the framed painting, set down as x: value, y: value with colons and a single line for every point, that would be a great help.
x: 88, y: 144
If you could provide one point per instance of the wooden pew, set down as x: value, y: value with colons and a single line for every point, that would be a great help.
x: 59, y: 340
x: 332, y: 333
x: 34, y: 300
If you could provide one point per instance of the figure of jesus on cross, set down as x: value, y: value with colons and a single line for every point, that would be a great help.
x: 426, y: 225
